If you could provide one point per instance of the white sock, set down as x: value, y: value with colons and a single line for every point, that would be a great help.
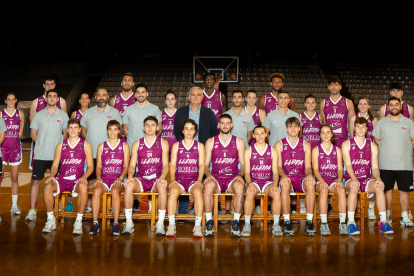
x: 208, y: 216
x: 302, y: 203
x: 95, y: 222
x: 309, y: 217
x: 247, y: 219
x: 286, y: 217
x: 88, y: 209
x: 388, y: 213
x: 404, y: 214
x: 198, y: 221
x: 14, y: 199
x: 351, y: 217
x: 237, y: 216
x: 371, y: 204
x: 171, y: 219
x: 330, y: 200
x: 383, y: 216
x: 324, y: 218
x: 128, y: 215
x: 149, y: 205
x: 50, y: 215
x: 342, y: 217
x: 161, y: 216
x: 276, y: 219
x: 79, y: 217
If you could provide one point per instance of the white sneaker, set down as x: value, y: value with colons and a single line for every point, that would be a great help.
x: 31, y: 215
x: 128, y: 228
x: 371, y: 214
x: 406, y: 222
x: 303, y: 210
x: 15, y: 210
x: 257, y: 210
x: 77, y: 227
x: 50, y: 226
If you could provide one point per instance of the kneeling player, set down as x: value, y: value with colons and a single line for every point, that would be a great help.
x: 361, y: 156
x: 186, y: 171
x: 112, y: 161
x: 150, y: 154
x: 71, y: 154
x: 296, y: 175
x: 224, y: 151
x: 328, y: 170
x: 262, y: 177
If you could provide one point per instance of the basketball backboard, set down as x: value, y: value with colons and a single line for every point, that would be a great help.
x: 226, y: 69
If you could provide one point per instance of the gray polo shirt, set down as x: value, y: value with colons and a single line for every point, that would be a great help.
x: 395, y: 148
x: 195, y: 115
x: 134, y: 117
x: 242, y: 124
x: 3, y: 128
x: 275, y: 121
x: 49, y: 132
x: 95, y: 122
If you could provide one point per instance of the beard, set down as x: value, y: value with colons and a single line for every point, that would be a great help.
x: 396, y: 113
x: 125, y: 88
x: 227, y: 132
x: 141, y: 101
x: 51, y: 105
x: 102, y: 104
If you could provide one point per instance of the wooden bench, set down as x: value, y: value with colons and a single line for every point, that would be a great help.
x: 63, y: 214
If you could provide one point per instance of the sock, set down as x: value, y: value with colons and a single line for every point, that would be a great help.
x: 383, y: 216
x: 302, y: 203
x: 50, y: 215
x: 115, y: 222
x: 161, y: 216
x: 149, y: 205
x: 269, y: 207
x: 329, y: 200
x: 388, y: 213
x: 342, y: 217
x: 257, y: 202
x: 404, y: 214
x: 286, y: 217
x: 276, y: 219
x: 14, y: 199
x: 309, y: 217
x: 208, y: 216
x: 350, y: 217
x: 237, y: 216
x: 198, y: 221
x: 95, y: 222
x: 293, y: 207
x: 372, y: 204
x: 79, y: 217
x: 171, y: 219
x: 358, y: 204
x: 324, y: 218
x: 88, y: 209
x: 247, y: 219
x: 128, y: 215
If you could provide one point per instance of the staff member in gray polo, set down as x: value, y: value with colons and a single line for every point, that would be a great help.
x: 395, y: 136
x: 243, y: 124
x: 134, y: 115
x: 48, y: 128
x: 275, y: 120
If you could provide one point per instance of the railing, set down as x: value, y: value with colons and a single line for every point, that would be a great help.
x: 77, y: 88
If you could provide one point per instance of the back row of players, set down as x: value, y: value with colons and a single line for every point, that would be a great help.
x: 336, y: 109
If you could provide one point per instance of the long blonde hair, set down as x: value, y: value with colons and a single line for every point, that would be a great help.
x: 371, y: 116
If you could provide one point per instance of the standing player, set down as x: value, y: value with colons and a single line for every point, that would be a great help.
x: 328, y: 170
x: 3, y: 130
x: 84, y: 102
x: 295, y: 172
x: 269, y: 101
x: 11, y: 149
x: 396, y: 90
x: 70, y: 156
x: 361, y: 157
x: 186, y: 172
x: 168, y: 116
x: 224, y: 151
x: 150, y: 154
x: 213, y: 99
x: 258, y: 115
x: 112, y: 161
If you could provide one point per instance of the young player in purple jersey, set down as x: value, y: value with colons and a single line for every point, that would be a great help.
x: 328, y: 170
x: 258, y: 115
x: 261, y: 176
x: 269, y: 102
x: 295, y: 173
x: 84, y: 102
x: 186, y: 172
x: 311, y: 122
x: 396, y: 90
x: 336, y: 110
x: 362, y: 174
x: 225, y: 152
x: 213, y: 98
x: 150, y: 155
x: 11, y: 147
x: 112, y: 161
x: 168, y: 116
x: 71, y: 154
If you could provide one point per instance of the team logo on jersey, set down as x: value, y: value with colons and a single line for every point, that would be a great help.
x: 268, y: 153
x: 120, y: 147
x: 109, y: 117
x: 285, y: 148
x: 217, y: 95
x: 334, y: 153
x: 244, y: 122
x: 404, y: 128
x: 59, y: 121
x: 216, y: 146
x: 158, y: 143
x: 233, y: 142
x: 269, y: 100
x: 353, y: 147
x: 254, y: 157
x: 195, y: 147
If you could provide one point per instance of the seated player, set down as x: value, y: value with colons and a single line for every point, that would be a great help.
x: 224, y: 151
x: 112, y: 161
x: 295, y: 173
x: 150, y: 155
x: 262, y: 177
x: 71, y: 155
x: 186, y: 172
x: 360, y: 157
x: 328, y: 170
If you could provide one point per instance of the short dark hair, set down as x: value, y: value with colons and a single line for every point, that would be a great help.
x: 83, y: 93
x: 170, y: 91
x: 259, y: 125
x: 334, y: 79
x: 74, y: 121
x: 49, y: 78
x: 309, y: 96
x: 150, y: 118
x: 277, y: 75
x: 11, y: 93
x: 141, y: 85
x: 330, y: 127
x: 361, y: 121
x: 292, y: 120
x: 128, y: 74
x: 114, y: 123
x: 225, y: 116
x: 52, y: 90
x: 282, y: 92
x: 251, y: 91
x: 237, y: 91
x: 393, y: 99
x: 207, y: 74
x: 396, y: 85
x: 190, y: 121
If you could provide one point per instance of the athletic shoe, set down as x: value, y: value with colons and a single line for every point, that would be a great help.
x: 136, y: 207
x: 197, y: 231
x: 343, y: 229
x: 69, y: 207
x: 15, y: 210
x: 330, y: 208
x: 371, y: 213
x: 209, y: 231
x: 288, y: 228
x: 87, y: 210
x: 77, y: 227
x: 235, y: 229
x: 228, y: 212
x: 32, y: 215
x: 353, y: 230
x: 128, y: 228
x: 325, y: 230
x: 115, y: 229
x: 303, y: 210
x: 171, y: 230
x: 385, y: 228
x: 247, y: 230
x: 257, y: 210
x: 294, y: 221
x: 159, y: 229
x: 94, y: 229
x: 310, y: 228
x: 406, y: 222
x: 277, y: 230
x: 50, y: 226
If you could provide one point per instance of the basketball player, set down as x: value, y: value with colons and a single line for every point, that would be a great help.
x: 328, y: 170
x: 269, y: 101
x: 258, y: 115
x: 70, y: 155
x: 150, y: 154
x: 336, y: 110
x: 3, y: 130
x: 186, y: 172
x: 396, y: 90
x: 224, y: 151
x: 261, y: 176
x: 168, y: 115
x: 295, y: 173
x: 361, y: 157
x: 213, y: 98
x: 84, y: 102
x: 11, y: 149
x: 112, y: 161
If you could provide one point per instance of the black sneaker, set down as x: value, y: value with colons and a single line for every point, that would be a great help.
x: 330, y: 208
x: 209, y: 231
x: 235, y: 229
x: 310, y: 228
x: 288, y: 228
x: 136, y: 208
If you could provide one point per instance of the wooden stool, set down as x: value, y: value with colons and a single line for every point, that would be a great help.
x: 63, y: 214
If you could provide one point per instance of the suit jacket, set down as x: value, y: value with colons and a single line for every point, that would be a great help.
x: 207, y: 127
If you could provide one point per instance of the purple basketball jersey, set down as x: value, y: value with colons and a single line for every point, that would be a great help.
x: 256, y: 120
x: 224, y: 158
x: 168, y: 128
x: 405, y: 110
x: 187, y: 162
x: 336, y: 115
x: 78, y: 114
x: 271, y: 103
x: 41, y: 103
x: 261, y: 165
x: 11, y: 136
x: 293, y: 158
x: 72, y: 160
x: 112, y: 162
x: 213, y: 102
x: 360, y: 159
x: 121, y: 104
x: 310, y: 129
x: 328, y: 164
x: 149, y: 159
x: 370, y: 128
